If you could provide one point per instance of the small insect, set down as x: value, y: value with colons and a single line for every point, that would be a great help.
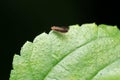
x: 60, y: 29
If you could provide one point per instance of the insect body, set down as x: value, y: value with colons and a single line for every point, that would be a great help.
x: 59, y: 29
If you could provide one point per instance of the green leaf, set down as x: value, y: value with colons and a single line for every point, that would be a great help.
x: 86, y: 52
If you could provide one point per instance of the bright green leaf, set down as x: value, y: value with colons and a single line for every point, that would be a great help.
x: 86, y: 52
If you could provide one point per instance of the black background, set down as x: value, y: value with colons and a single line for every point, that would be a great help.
x: 22, y: 20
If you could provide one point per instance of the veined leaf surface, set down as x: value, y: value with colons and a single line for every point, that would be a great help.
x: 86, y: 52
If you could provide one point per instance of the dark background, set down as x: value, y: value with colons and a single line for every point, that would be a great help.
x: 22, y: 20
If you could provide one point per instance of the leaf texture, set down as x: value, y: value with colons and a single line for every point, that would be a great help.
x: 86, y: 52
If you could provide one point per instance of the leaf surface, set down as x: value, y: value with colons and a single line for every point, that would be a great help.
x: 86, y: 52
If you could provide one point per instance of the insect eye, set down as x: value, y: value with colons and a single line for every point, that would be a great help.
x: 59, y: 29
